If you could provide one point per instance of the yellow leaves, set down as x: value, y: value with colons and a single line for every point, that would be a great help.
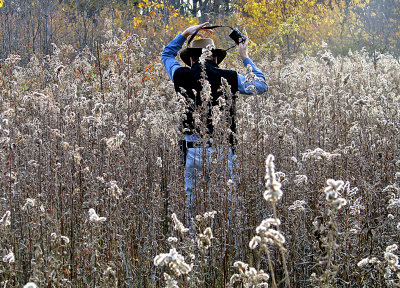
x: 136, y: 22
x: 1, y: 3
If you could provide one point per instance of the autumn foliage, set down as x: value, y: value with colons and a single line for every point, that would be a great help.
x: 277, y: 27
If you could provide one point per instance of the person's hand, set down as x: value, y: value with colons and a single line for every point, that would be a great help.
x: 243, y: 48
x: 190, y: 30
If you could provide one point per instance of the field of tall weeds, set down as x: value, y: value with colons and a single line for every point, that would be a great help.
x: 92, y: 185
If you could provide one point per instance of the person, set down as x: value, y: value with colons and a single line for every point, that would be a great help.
x: 188, y: 82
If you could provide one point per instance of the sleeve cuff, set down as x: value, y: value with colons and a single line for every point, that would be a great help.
x: 247, y: 61
x: 180, y: 39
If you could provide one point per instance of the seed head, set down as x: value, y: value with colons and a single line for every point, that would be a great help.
x: 172, y: 239
x: 392, y: 259
x: 93, y: 217
x: 273, y: 191
x: 114, y: 190
x: 204, y: 239
x: 29, y: 202
x: 339, y: 203
x: 254, y: 242
x: 30, y: 285
x: 178, y: 224
x: 174, y: 260
x: 65, y: 239
x: 241, y: 266
x: 159, y: 162
x: 363, y: 262
x: 298, y: 205
x: 9, y: 258
x: 391, y: 248
x: 170, y: 282
x: 5, y: 220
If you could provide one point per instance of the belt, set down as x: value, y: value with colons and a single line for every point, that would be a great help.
x: 197, y: 144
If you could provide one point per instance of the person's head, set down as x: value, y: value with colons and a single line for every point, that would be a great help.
x: 192, y: 54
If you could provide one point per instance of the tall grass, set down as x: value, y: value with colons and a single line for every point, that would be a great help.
x: 91, y: 174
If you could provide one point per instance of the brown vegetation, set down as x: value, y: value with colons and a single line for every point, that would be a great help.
x: 91, y: 172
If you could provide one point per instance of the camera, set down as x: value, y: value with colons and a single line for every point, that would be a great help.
x: 235, y: 35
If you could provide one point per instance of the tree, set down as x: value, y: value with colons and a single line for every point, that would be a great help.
x: 282, y: 23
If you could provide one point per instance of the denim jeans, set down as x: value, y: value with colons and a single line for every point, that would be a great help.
x: 194, y: 165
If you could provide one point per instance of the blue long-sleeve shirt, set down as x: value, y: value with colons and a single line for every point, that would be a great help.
x: 168, y: 58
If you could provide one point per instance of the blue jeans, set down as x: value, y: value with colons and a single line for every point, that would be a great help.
x: 194, y: 165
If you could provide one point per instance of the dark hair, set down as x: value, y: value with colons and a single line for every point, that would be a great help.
x: 196, y: 55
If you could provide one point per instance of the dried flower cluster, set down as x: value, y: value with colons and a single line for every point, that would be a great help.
x: 204, y: 239
x: 178, y: 224
x: 273, y: 190
x: 332, y: 194
x: 249, y: 276
x: 267, y: 234
x: 174, y: 261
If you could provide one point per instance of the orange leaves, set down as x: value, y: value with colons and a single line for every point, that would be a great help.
x: 149, y: 68
x: 148, y: 73
x: 145, y: 79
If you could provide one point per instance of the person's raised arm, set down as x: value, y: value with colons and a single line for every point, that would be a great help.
x: 260, y: 85
x: 168, y: 56
x: 192, y: 29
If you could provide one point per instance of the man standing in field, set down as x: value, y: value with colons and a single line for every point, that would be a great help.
x: 188, y: 82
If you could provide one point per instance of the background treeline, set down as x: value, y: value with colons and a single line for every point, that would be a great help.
x: 284, y: 27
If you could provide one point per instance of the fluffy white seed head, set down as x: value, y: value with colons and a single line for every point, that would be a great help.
x: 363, y: 262
x: 178, y: 224
x: 273, y: 192
x: 254, y: 242
x: 172, y: 239
x: 298, y: 205
x: 391, y: 259
x: 9, y: 258
x: 5, y: 220
x: 30, y: 285
x: 159, y: 162
x: 241, y: 266
x: 65, y: 239
x: 333, y: 185
x: 391, y: 248
x: 114, y: 190
x: 339, y: 203
x: 93, y: 217
x: 174, y: 261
